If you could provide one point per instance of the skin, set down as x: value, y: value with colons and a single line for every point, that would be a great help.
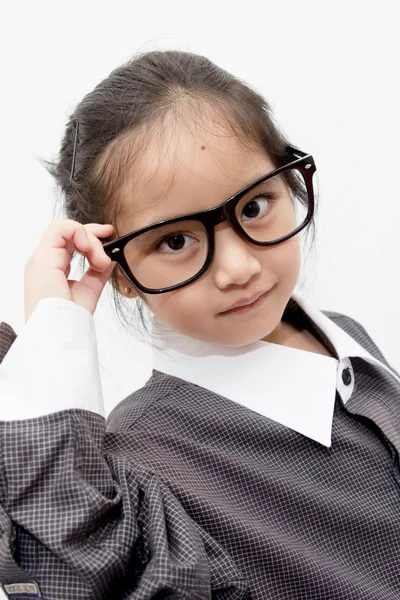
x: 194, y: 171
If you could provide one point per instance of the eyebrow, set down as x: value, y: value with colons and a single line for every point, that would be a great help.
x: 152, y: 232
x: 182, y: 216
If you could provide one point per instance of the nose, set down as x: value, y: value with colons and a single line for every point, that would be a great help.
x: 233, y: 261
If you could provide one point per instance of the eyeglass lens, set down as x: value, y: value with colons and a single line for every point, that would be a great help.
x: 173, y: 253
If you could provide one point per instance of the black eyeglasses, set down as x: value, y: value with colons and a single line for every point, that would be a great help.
x: 173, y: 253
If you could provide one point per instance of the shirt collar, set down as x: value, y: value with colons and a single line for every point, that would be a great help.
x: 293, y: 387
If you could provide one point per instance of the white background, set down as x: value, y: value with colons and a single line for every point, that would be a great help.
x: 330, y: 72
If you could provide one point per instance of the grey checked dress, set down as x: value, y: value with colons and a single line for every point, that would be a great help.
x: 183, y: 493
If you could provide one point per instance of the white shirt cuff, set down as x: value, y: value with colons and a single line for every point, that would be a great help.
x: 53, y: 364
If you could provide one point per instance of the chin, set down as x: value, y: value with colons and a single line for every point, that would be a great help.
x: 244, y: 339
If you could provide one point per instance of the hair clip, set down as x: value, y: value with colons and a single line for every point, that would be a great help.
x: 74, y: 153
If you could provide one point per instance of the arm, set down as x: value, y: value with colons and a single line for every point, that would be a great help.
x: 80, y: 523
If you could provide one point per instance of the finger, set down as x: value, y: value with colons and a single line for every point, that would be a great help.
x: 96, y: 256
x: 70, y: 236
x: 93, y: 280
x: 99, y: 229
x: 60, y: 240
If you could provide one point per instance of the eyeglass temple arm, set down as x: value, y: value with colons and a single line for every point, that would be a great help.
x: 295, y: 152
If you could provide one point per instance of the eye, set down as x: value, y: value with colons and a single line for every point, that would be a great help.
x: 173, y: 243
x: 255, y: 208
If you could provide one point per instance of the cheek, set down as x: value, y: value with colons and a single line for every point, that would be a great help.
x: 292, y: 268
x: 283, y: 260
x: 291, y: 260
x: 185, y: 310
x: 190, y: 309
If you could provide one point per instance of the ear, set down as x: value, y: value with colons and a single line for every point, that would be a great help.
x: 123, y: 282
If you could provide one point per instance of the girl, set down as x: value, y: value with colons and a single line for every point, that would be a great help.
x: 260, y: 460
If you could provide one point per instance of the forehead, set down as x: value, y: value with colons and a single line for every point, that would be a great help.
x: 184, y: 171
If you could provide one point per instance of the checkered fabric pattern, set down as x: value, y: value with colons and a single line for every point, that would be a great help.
x: 183, y: 493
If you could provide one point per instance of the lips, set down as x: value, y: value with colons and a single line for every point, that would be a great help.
x: 246, y: 301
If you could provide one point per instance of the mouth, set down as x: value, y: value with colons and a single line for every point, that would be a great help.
x: 249, y: 305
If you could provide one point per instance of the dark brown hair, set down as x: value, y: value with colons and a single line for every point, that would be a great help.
x: 127, y: 110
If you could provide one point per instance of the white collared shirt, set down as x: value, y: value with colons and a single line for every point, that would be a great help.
x: 53, y: 366
x: 294, y: 387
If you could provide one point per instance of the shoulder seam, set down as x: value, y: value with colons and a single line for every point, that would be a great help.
x: 153, y: 400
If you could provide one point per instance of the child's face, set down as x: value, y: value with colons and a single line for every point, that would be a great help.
x: 195, y: 171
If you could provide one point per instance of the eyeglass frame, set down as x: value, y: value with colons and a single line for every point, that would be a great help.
x: 212, y: 217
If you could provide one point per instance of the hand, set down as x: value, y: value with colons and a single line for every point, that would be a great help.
x: 47, y: 270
